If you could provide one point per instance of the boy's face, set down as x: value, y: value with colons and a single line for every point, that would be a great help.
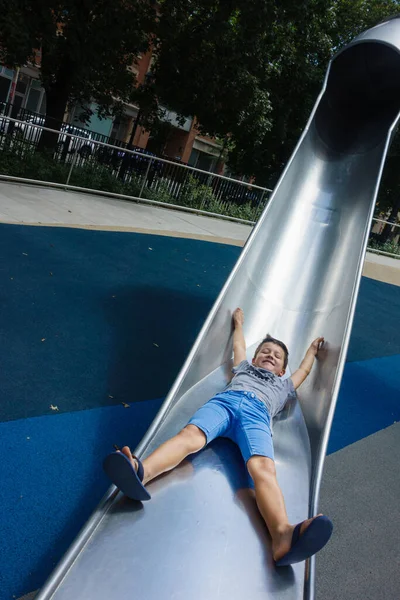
x: 270, y: 357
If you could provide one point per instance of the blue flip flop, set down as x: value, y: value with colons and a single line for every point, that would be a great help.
x: 121, y: 472
x: 309, y: 543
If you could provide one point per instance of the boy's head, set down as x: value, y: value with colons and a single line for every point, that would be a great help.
x: 271, y: 355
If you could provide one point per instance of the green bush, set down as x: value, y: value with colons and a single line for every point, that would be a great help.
x: 20, y: 160
x: 390, y: 246
x: 194, y: 194
x: 160, y: 193
x: 96, y: 177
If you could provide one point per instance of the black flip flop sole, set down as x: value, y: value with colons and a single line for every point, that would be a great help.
x: 121, y: 472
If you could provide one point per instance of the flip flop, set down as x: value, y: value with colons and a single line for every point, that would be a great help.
x: 120, y: 470
x: 309, y: 543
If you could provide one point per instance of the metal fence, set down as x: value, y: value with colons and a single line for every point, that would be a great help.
x: 77, y: 160
x: 390, y: 245
x: 32, y: 135
x: 137, y: 175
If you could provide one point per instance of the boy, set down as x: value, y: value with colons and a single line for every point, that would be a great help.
x: 243, y: 413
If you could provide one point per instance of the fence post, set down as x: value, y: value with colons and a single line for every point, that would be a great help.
x: 71, y: 168
x: 208, y: 186
x: 260, y: 200
x: 145, y: 177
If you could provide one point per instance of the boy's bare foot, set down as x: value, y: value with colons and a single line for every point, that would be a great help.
x: 127, y: 451
x: 127, y: 473
x: 282, y: 542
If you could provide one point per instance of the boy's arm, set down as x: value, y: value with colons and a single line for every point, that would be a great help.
x: 239, y: 345
x: 306, y: 364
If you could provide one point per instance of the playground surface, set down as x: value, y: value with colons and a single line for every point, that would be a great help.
x: 95, y: 292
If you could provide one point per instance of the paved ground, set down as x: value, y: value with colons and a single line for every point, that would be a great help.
x: 45, y: 206
x: 361, y: 491
x: 34, y: 205
x: 361, y: 485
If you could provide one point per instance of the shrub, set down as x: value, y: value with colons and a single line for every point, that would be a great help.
x: 96, y: 177
x: 390, y: 246
x: 20, y: 160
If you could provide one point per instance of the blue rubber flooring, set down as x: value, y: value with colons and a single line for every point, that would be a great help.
x: 85, y: 315
x: 92, y: 320
x: 52, y: 480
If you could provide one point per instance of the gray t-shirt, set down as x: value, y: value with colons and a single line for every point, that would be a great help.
x: 268, y: 387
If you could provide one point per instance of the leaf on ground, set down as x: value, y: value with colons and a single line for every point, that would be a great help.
x: 125, y: 405
x: 43, y: 339
x: 25, y: 254
x: 54, y: 407
x: 150, y: 248
x: 110, y: 396
x: 156, y: 345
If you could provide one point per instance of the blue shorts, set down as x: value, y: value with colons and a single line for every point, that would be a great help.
x: 239, y: 416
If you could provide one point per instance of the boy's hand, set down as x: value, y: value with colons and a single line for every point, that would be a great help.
x: 306, y: 364
x: 239, y: 343
x: 316, y: 345
x: 238, y: 317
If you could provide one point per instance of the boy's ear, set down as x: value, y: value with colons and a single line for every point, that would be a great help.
x: 281, y: 374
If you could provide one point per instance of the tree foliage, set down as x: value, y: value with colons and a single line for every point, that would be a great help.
x: 311, y: 34
x: 87, y: 47
x: 250, y: 70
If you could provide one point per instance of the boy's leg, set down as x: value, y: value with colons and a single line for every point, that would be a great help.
x: 209, y: 422
x: 172, y: 452
x: 271, y: 504
x: 252, y: 433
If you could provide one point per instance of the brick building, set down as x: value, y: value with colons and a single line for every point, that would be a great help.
x: 174, y: 140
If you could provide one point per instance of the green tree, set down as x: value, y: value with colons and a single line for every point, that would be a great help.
x: 87, y: 47
x: 209, y: 63
x: 248, y: 69
x: 310, y: 36
x: 388, y: 204
x: 252, y: 69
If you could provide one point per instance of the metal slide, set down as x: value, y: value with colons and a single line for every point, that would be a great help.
x: 201, y: 537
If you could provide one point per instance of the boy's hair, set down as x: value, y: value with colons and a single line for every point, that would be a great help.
x: 269, y: 338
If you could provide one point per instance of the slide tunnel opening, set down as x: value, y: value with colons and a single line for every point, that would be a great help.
x: 361, y: 99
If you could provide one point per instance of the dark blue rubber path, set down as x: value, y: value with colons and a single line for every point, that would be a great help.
x: 117, y: 313
x: 94, y: 318
x: 51, y: 480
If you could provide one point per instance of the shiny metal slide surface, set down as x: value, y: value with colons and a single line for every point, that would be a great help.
x: 201, y: 537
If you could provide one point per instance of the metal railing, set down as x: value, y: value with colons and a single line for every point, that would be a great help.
x: 26, y: 116
x: 132, y: 175
x: 377, y: 246
x: 125, y: 172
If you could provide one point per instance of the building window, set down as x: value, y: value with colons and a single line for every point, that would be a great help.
x: 35, y: 97
x: 6, y: 76
x: 4, y: 72
x: 120, y: 128
x: 22, y: 84
x: 4, y: 88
